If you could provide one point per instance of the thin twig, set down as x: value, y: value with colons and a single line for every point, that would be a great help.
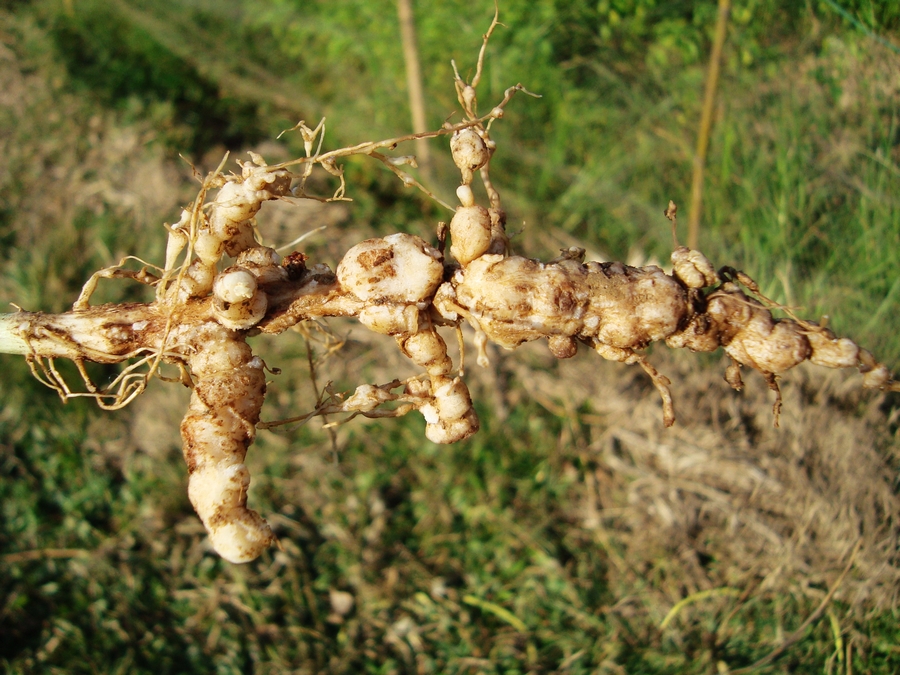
x: 414, y: 84
x: 370, y: 146
x: 709, y: 100
x: 312, y: 376
x: 479, y: 69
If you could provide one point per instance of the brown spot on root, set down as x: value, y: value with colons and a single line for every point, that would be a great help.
x: 564, y: 299
x: 295, y: 265
x: 374, y: 258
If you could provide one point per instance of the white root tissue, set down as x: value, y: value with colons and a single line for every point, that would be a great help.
x: 229, y: 386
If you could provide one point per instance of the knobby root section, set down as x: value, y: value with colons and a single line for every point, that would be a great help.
x: 400, y: 286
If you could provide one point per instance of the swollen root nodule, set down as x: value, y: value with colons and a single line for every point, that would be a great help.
x: 229, y: 386
x: 399, y: 286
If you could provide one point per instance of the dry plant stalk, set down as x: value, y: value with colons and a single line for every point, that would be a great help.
x: 400, y: 286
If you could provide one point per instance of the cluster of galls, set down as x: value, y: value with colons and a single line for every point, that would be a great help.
x: 228, y: 381
x: 401, y: 286
x: 396, y: 278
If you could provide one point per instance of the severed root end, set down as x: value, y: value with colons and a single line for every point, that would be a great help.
x: 733, y: 376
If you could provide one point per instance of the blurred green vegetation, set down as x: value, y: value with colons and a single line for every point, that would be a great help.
x: 462, y: 559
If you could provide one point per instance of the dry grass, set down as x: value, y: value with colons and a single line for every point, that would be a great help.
x: 724, y: 499
x: 84, y: 188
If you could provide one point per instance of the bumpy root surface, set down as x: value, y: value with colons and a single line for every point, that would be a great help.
x: 398, y: 276
x: 618, y: 310
x: 229, y: 386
